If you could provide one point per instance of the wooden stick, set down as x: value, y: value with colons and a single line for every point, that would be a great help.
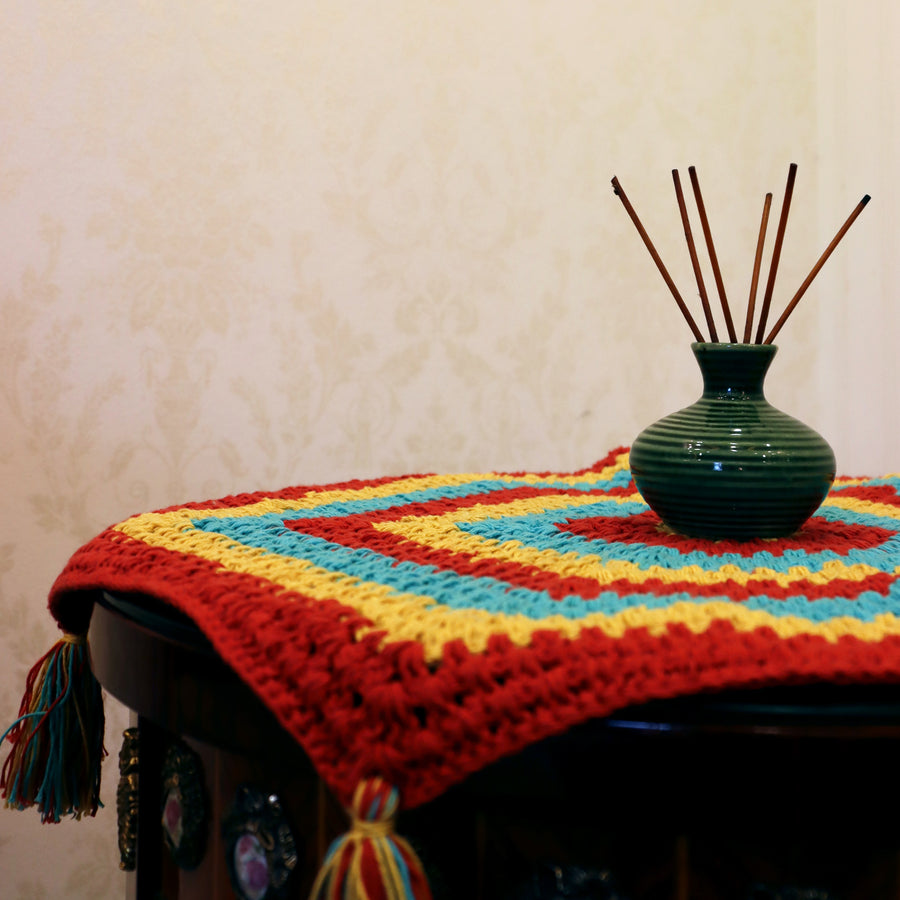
x: 659, y: 263
x: 695, y: 263
x: 754, y: 281
x: 815, y: 269
x: 776, y: 252
x: 712, y: 254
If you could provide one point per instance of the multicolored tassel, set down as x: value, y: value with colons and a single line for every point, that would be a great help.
x: 57, y: 741
x: 370, y: 862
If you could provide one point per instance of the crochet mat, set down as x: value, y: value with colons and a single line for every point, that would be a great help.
x: 419, y: 628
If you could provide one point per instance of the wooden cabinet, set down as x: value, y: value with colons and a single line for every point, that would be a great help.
x: 745, y: 795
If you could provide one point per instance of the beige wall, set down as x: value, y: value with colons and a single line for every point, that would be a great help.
x: 248, y: 245
x: 857, y: 370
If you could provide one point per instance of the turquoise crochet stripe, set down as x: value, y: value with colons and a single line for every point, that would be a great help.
x: 495, y: 596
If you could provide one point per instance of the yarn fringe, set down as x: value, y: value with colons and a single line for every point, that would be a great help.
x: 371, y: 862
x: 57, y: 741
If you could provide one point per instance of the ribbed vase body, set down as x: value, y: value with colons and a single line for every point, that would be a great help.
x: 731, y: 465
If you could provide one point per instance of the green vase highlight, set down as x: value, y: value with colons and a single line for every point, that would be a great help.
x: 731, y: 465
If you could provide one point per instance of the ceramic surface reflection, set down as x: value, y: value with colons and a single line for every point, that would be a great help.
x: 731, y: 465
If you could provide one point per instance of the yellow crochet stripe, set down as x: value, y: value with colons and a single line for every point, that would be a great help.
x: 527, y: 506
x: 868, y: 507
x: 440, y: 532
x: 411, y: 484
x: 406, y: 616
x: 433, y: 627
x: 848, y: 481
x: 604, y: 474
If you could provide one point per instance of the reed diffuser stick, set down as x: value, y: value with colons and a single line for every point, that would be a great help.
x: 776, y: 252
x: 659, y: 263
x: 707, y: 233
x: 815, y: 269
x: 754, y: 281
x: 695, y: 263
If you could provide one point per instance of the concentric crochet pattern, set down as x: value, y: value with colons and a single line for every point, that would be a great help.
x: 419, y: 628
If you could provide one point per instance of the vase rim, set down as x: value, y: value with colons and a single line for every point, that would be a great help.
x: 729, y: 346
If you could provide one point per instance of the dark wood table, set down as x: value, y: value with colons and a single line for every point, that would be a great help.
x: 780, y: 793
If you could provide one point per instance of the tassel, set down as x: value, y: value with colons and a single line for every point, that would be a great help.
x: 57, y: 741
x: 370, y: 862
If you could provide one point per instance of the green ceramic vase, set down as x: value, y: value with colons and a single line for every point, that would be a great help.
x: 731, y: 465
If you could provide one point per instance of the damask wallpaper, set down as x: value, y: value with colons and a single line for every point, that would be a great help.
x: 249, y: 245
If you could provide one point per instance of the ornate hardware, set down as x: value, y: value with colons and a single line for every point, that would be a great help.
x: 259, y: 846
x: 184, y: 805
x: 127, y: 799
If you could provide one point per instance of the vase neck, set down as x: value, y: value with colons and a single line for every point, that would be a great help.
x: 734, y: 370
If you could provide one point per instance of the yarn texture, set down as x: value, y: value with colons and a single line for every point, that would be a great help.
x: 416, y: 629
x: 370, y: 862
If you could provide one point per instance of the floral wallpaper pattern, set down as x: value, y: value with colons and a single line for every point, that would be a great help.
x: 251, y: 245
